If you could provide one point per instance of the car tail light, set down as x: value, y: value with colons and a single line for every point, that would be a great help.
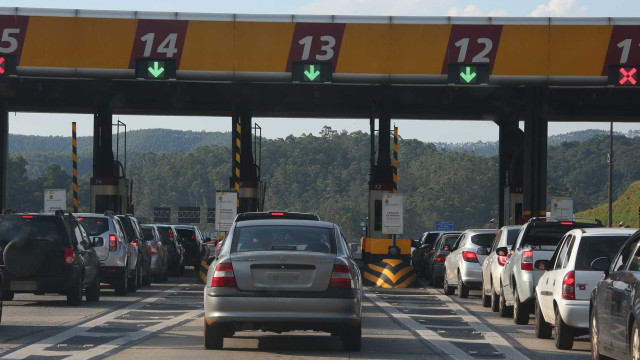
x: 526, y: 263
x: 154, y: 249
x: 113, y: 243
x: 569, y: 286
x: 341, y: 277
x: 69, y: 256
x: 469, y: 256
x: 441, y: 258
x: 566, y: 222
x: 277, y: 214
x: 28, y: 216
x: 223, y: 276
x: 502, y: 260
x: 193, y: 236
x: 80, y: 219
x: 219, y: 245
x: 135, y: 244
x: 170, y: 234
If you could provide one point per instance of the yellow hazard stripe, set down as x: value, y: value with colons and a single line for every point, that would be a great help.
x: 376, y: 280
x: 407, y: 282
x: 392, y: 262
x: 393, y: 277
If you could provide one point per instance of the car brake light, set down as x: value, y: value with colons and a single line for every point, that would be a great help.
x: 223, y: 276
x: 441, y: 258
x: 193, y: 236
x: 170, y: 234
x: 80, y: 219
x: 469, y: 256
x: 28, y: 216
x: 69, y: 256
x: 502, y: 260
x: 219, y: 245
x: 568, y: 286
x: 135, y: 244
x: 341, y: 277
x: 566, y: 222
x: 113, y: 243
x: 526, y: 263
x: 154, y: 249
x: 277, y: 214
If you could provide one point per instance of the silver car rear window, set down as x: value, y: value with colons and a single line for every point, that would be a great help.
x: 484, y: 240
x: 94, y: 226
x: 283, y: 238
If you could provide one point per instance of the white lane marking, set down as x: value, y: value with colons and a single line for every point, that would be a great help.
x: 490, y: 337
x: 56, y: 340
x: 426, y: 334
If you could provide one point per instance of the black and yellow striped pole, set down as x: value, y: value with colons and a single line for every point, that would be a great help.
x: 74, y: 147
x: 395, y: 159
x: 237, y: 153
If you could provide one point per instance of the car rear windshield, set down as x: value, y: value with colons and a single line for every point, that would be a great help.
x: 539, y: 236
x: 186, y: 234
x: 148, y: 233
x: 450, y: 239
x: 94, y: 226
x: 431, y: 237
x: 44, y: 229
x: 283, y: 237
x: 593, y: 247
x: 484, y: 240
x: 164, y: 233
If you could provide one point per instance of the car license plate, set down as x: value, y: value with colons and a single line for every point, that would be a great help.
x: 283, y: 278
x: 23, y: 286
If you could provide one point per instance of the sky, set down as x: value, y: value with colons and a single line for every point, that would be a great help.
x: 428, y: 131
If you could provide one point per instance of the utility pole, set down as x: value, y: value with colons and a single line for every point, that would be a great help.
x: 610, y: 160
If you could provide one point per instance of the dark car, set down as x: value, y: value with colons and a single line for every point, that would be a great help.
x: 175, y: 250
x: 424, y: 246
x: 613, y: 308
x: 192, y: 241
x: 47, y: 253
x: 434, y: 262
x: 135, y: 235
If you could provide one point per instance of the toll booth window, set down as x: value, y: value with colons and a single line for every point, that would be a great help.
x: 108, y: 202
x: 377, y: 220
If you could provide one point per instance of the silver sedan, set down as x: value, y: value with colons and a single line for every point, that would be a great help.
x: 283, y: 275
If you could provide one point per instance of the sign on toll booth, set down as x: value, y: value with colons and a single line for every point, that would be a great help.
x: 55, y: 199
x: 444, y: 225
x: 392, y: 214
x: 311, y: 71
x: 561, y: 209
x: 226, y: 209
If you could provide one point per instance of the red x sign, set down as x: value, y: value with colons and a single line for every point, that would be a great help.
x: 627, y: 76
x: 2, y: 65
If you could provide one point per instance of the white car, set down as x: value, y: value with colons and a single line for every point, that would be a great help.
x: 564, y: 289
x: 493, y: 265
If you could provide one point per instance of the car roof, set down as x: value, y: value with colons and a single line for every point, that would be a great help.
x: 274, y: 215
x: 482, y: 231
x: 187, y: 227
x: 291, y: 222
x: 607, y: 231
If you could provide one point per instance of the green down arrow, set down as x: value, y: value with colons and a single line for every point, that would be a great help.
x: 155, y: 70
x: 468, y: 76
x: 312, y: 73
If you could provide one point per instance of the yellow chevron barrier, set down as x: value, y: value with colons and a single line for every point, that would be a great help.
x: 204, y: 267
x: 389, y: 273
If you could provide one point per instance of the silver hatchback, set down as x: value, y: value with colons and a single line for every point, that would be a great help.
x: 463, y: 266
x: 283, y: 275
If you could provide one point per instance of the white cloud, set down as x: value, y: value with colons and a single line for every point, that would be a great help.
x: 560, y: 8
x: 470, y: 10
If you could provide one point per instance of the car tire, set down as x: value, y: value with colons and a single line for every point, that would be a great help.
x: 486, y: 299
x: 495, y: 300
x: 543, y: 328
x: 213, y: 336
x: 520, y: 310
x: 74, y: 294
x: 92, y: 293
x: 463, y: 290
x: 635, y: 341
x: 146, y: 280
x: 139, y: 274
x: 594, y: 338
x: 430, y: 280
x: 448, y: 290
x: 6, y: 295
x: 122, y: 285
x: 564, y: 333
x: 164, y: 274
x: 352, y: 337
x: 181, y: 270
x: 503, y: 309
x: 133, y: 281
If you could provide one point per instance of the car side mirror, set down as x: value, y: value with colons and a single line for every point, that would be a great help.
x: 542, y: 265
x: 601, y: 264
x: 482, y: 251
x: 502, y: 251
x: 98, y: 241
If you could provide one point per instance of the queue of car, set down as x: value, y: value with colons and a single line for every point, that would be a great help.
x: 575, y: 276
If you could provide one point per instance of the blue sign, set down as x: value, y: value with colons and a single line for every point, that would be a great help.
x: 444, y: 225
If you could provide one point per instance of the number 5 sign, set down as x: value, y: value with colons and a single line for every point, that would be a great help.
x: 159, y: 39
x: 316, y: 42
x: 12, y: 33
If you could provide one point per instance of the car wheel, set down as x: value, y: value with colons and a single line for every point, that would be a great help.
x: 448, y: 290
x: 463, y: 290
x: 165, y: 273
x: 213, y: 336
x: 564, y: 333
x: 139, y: 275
x: 74, y: 295
x: 520, y: 310
x: 495, y: 300
x: 486, y: 299
x: 635, y: 342
x: 352, y: 337
x: 122, y: 285
x: 594, y: 338
x: 503, y: 309
x: 543, y: 328
x: 181, y: 270
x: 146, y: 280
x: 6, y: 295
x: 92, y: 292
x: 133, y: 280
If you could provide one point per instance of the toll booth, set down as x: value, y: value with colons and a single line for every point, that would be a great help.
x: 513, y: 199
x: 110, y: 193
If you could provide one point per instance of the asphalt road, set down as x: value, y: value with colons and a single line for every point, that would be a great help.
x: 165, y: 321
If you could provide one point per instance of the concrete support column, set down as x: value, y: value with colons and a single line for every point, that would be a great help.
x: 535, y: 154
x: 103, y: 166
x: 4, y: 155
x: 510, y: 170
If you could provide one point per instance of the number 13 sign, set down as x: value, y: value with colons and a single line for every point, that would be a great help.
x: 316, y: 42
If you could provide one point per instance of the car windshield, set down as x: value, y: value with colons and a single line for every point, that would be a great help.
x: 148, y: 233
x: 545, y: 235
x: 283, y: 237
x: 94, y: 226
x: 593, y: 247
x: 484, y: 240
x: 42, y: 228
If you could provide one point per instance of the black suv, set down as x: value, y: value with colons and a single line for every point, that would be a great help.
x: 193, y: 242
x: 47, y: 253
x: 136, y: 236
